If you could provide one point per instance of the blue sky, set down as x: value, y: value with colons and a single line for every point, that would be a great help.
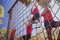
x: 7, y: 5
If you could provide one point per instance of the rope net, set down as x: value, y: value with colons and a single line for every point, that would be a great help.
x: 21, y: 14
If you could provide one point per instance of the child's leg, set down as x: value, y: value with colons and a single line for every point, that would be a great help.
x: 57, y: 24
x: 49, y: 33
x: 48, y: 29
x: 24, y: 37
x: 28, y: 36
x: 12, y: 39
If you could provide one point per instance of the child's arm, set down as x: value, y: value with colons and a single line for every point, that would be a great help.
x: 44, y: 12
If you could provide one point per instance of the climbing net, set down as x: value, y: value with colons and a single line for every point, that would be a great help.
x: 23, y: 14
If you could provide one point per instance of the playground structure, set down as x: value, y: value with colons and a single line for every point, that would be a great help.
x: 19, y: 14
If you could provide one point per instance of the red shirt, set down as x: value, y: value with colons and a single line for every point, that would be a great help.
x: 35, y: 11
x: 12, y: 33
x: 29, y: 29
x: 48, y: 16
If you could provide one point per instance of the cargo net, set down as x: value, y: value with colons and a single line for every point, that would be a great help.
x: 39, y: 31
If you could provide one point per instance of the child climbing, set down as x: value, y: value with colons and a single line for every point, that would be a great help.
x: 35, y: 13
x: 48, y: 18
x: 28, y: 31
